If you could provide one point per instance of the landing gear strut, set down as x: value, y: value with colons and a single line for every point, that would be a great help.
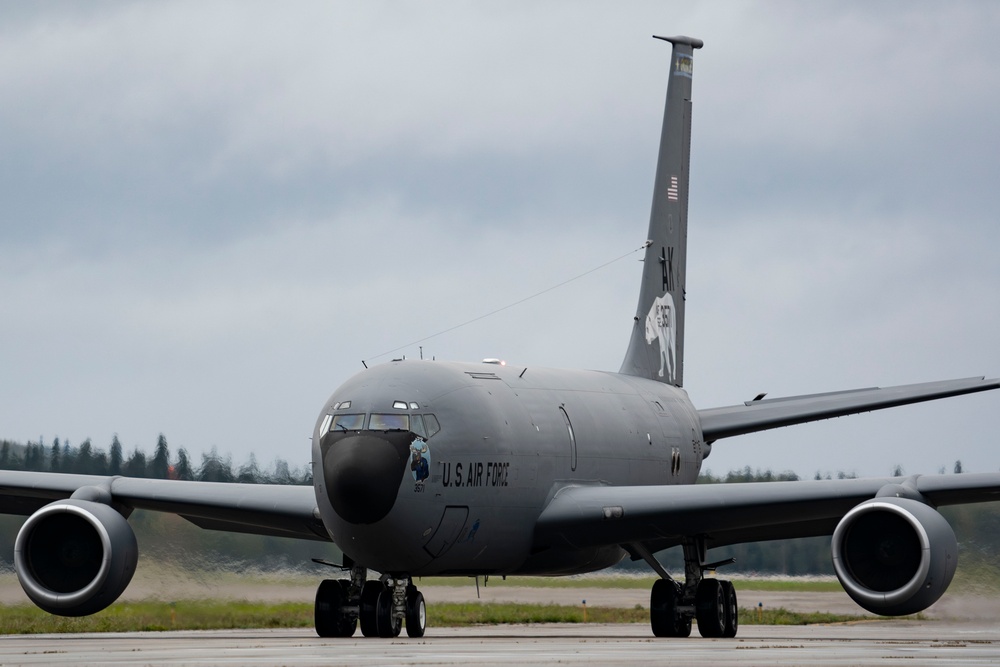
x: 380, y: 606
x: 712, y: 602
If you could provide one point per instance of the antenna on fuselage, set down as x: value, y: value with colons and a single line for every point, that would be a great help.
x: 510, y: 305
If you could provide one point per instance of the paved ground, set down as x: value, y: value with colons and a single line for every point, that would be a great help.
x: 966, y: 632
x: 864, y: 643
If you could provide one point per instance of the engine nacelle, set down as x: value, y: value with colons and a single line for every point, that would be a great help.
x: 75, y: 557
x: 894, y: 556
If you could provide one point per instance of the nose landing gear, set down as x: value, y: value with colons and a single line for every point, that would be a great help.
x: 381, y: 606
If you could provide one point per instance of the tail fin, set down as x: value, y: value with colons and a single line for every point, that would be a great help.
x: 656, y: 350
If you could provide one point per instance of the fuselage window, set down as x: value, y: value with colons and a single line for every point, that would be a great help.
x: 348, y: 423
x: 399, y: 405
x: 381, y: 422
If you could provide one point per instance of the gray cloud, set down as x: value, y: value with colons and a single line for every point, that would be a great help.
x: 210, y: 215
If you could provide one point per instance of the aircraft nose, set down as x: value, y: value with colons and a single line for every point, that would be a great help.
x: 363, y: 471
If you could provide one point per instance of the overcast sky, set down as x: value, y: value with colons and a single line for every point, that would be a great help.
x: 210, y: 213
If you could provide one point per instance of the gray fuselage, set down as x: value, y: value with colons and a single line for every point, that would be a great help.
x: 428, y: 467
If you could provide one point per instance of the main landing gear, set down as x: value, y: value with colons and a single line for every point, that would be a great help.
x: 380, y: 606
x: 711, y: 602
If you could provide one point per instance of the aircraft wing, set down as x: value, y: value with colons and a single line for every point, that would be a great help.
x: 663, y: 516
x: 776, y: 412
x: 261, y: 509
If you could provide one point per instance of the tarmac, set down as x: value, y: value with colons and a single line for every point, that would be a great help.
x: 862, y: 643
x: 961, y: 630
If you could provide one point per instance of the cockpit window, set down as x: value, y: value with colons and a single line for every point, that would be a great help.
x: 381, y: 422
x: 431, y: 424
x: 426, y: 426
x: 348, y: 423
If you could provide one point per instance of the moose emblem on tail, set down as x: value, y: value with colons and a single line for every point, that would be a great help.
x: 660, y: 326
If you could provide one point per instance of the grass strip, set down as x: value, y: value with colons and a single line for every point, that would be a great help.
x: 628, y: 583
x: 213, y: 615
x: 157, y: 615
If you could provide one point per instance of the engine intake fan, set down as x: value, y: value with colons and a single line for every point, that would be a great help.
x: 894, y: 556
x: 75, y: 557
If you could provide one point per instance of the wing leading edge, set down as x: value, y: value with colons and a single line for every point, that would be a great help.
x: 664, y: 516
x: 766, y: 414
x: 261, y: 509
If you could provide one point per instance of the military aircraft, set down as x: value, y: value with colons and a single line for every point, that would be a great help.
x: 467, y: 469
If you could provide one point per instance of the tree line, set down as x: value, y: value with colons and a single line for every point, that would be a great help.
x: 86, y: 459
x: 165, y: 537
x: 977, y: 527
x: 173, y: 539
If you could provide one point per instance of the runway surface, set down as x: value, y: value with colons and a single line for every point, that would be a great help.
x: 863, y: 643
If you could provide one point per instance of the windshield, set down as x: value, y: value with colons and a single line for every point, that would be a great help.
x: 348, y: 423
x: 391, y: 422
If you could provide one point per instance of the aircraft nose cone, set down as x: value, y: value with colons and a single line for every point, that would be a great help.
x: 363, y: 472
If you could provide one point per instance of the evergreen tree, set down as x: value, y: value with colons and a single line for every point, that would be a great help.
x: 115, y: 462
x: 183, y: 468
x: 249, y: 472
x: 67, y: 458
x: 55, y: 458
x: 307, y: 476
x: 214, y: 468
x: 136, y: 465
x: 5, y: 455
x: 99, y: 464
x: 85, y: 458
x: 282, y: 475
x: 160, y: 466
x: 958, y: 467
x: 33, y: 457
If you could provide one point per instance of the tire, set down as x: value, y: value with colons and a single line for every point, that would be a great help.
x: 329, y: 598
x: 368, y: 611
x: 663, y: 608
x: 388, y: 623
x: 732, y: 622
x: 710, y: 608
x: 329, y: 611
x: 416, y: 613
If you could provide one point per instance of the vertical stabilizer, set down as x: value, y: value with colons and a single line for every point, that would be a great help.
x: 656, y: 349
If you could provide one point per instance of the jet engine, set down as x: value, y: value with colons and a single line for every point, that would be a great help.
x: 75, y: 557
x: 894, y: 556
